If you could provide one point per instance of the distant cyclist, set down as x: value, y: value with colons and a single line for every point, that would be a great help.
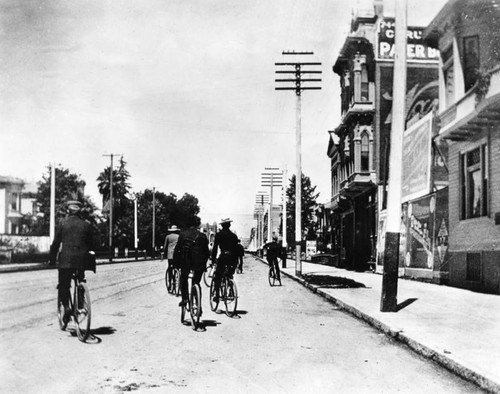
x: 274, y: 250
x: 169, y: 246
x: 241, y: 253
x: 192, y: 249
x: 227, y: 242
x: 77, y: 238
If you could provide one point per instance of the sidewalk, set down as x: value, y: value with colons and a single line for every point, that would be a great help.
x: 457, y: 328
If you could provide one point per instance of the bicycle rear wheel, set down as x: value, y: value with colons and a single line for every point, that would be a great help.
x: 195, y: 305
x: 168, y: 281
x: 213, y: 304
x: 82, y: 312
x: 271, y: 276
x: 230, y: 296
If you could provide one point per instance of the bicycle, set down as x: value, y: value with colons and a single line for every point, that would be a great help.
x: 193, y: 305
x: 272, y: 277
x: 208, y: 275
x: 228, y: 293
x: 173, y: 281
x: 79, y: 305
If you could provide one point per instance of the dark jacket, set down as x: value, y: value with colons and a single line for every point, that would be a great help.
x: 227, y: 241
x: 274, y: 250
x: 197, y: 255
x: 77, y: 239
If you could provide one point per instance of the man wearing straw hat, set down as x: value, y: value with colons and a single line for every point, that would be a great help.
x: 77, y: 239
x: 170, y: 242
x: 227, y: 242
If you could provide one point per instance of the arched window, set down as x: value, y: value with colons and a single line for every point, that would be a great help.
x: 365, y: 152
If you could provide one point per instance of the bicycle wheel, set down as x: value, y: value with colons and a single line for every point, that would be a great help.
x: 82, y: 312
x: 168, y: 281
x: 271, y: 276
x: 213, y: 304
x: 206, y: 277
x: 230, y: 296
x: 195, y: 306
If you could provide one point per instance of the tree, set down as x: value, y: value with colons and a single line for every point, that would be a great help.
x: 308, y: 200
x: 168, y: 211
x: 123, y: 207
x: 69, y: 186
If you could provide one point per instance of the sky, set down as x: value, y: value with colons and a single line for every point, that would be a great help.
x: 183, y: 89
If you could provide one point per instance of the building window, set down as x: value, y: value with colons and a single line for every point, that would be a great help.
x: 471, y: 61
x: 474, y: 182
x: 364, y: 84
x: 365, y: 153
x: 335, y: 182
x: 13, y: 201
x: 449, y: 76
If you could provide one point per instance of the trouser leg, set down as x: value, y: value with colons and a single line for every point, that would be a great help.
x: 277, y: 269
x: 64, y: 286
x: 184, y: 283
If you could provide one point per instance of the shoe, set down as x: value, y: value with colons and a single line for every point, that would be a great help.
x: 215, y: 299
x: 67, y: 315
x: 183, y: 303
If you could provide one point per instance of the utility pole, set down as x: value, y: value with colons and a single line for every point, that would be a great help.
x: 260, y: 199
x: 154, y: 224
x: 388, y: 301
x: 283, y: 229
x: 52, y: 230
x: 135, y: 226
x: 111, y: 205
x: 298, y: 81
x: 272, y: 178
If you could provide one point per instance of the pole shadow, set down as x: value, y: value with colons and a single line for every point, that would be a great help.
x: 405, y: 303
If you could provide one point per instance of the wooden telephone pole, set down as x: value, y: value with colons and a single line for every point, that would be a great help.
x: 298, y: 80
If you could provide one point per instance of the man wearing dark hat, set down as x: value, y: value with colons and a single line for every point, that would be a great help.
x: 77, y: 239
x: 227, y: 242
x: 274, y: 250
x: 169, y: 246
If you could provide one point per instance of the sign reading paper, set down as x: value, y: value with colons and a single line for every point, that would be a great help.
x: 417, y: 155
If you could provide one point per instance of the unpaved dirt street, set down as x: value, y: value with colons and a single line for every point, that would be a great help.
x: 284, y: 340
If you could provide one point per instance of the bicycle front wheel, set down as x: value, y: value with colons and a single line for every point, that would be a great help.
x: 230, y: 297
x: 195, y: 305
x: 82, y: 312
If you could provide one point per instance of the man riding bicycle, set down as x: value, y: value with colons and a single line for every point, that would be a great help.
x: 191, y: 254
x: 274, y: 250
x: 77, y: 238
x: 227, y: 242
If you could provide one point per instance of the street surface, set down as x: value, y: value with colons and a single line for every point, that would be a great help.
x: 285, y: 340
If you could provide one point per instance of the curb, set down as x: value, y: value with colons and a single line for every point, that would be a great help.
x: 446, y: 362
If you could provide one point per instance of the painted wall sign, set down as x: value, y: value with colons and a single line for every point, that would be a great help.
x: 417, y: 159
x: 415, y: 49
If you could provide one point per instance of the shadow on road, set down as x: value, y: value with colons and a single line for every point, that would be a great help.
x: 106, y: 330
x: 332, y: 281
x: 404, y: 304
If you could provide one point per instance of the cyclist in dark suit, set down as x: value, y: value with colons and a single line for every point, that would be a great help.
x: 77, y: 239
x: 274, y: 250
x: 227, y: 242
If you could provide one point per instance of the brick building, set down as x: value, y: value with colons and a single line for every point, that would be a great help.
x: 466, y: 34
x: 359, y: 146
